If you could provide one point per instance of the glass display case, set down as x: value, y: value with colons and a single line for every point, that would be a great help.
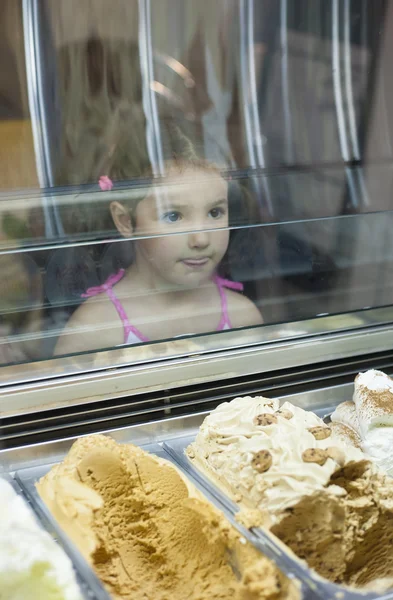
x: 195, y: 205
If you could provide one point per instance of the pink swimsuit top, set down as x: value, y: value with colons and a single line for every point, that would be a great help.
x: 132, y: 335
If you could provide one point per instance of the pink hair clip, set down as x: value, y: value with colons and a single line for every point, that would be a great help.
x: 105, y: 183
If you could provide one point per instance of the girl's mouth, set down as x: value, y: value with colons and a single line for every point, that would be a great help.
x: 196, y: 262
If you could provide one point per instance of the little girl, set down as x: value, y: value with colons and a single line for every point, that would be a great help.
x: 172, y: 288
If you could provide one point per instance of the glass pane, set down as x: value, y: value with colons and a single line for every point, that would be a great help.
x: 213, y: 165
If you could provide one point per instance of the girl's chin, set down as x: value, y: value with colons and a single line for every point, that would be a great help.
x: 192, y: 280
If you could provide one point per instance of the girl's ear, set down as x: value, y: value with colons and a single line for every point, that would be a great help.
x: 122, y: 219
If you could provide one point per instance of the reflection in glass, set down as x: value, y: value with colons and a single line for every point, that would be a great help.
x: 174, y: 285
x: 246, y: 141
x: 17, y: 159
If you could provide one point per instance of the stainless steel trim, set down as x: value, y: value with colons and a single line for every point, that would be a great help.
x: 318, y: 400
x: 254, y: 137
x: 348, y: 80
x: 252, y: 87
x: 153, y: 133
x: 245, y: 86
x: 339, y: 101
x: 337, y: 85
x: 35, y: 455
x: 365, y: 320
x: 94, y: 238
x: 38, y: 65
x: 289, y: 147
x: 29, y: 9
x: 353, y: 133
x: 98, y: 376
x: 39, y: 123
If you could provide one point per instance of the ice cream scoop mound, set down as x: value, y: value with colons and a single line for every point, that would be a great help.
x: 272, y: 465
x: 367, y: 421
x: 317, y: 494
x: 346, y: 539
x: 32, y: 565
x: 151, y: 533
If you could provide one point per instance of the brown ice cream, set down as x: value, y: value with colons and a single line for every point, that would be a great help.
x: 347, y: 539
x: 147, y: 531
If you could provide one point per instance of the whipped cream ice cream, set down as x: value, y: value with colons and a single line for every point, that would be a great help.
x: 347, y: 427
x: 314, y: 492
x: 264, y: 455
x: 149, y: 533
x: 368, y: 419
x: 32, y: 565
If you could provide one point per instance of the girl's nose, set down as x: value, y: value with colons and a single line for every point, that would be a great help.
x: 198, y: 239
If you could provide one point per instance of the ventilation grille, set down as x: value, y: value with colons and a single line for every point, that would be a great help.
x: 131, y: 409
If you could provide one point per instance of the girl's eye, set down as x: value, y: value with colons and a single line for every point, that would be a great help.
x: 216, y: 213
x: 171, y: 217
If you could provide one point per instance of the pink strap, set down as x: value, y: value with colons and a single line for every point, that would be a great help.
x: 107, y: 289
x: 232, y: 285
x: 128, y: 328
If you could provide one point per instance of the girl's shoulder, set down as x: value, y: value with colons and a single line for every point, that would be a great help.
x: 94, y: 325
x: 242, y: 311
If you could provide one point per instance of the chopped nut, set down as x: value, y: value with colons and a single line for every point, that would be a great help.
x: 287, y: 414
x: 315, y: 455
x: 320, y: 432
x: 337, y: 455
x: 262, y: 461
x: 265, y: 419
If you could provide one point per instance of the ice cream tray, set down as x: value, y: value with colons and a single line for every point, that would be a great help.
x: 168, y: 439
x: 24, y: 481
x: 26, y: 478
x: 314, y: 586
x: 89, y: 585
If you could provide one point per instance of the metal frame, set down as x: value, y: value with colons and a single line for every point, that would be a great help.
x: 350, y: 100
x: 254, y: 137
x: 35, y: 77
x: 153, y: 133
x: 34, y: 85
x: 168, y: 365
x: 289, y: 147
x: 153, y: 432
x: 345, y: 110
x: 339, y: 101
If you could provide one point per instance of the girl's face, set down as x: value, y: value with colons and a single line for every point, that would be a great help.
x: 190, y: 217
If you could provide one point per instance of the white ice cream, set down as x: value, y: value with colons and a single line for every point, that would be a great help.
x: 231, y: 437
x: 32, y: 565
x: 370, y: 416
x: 376, y: 381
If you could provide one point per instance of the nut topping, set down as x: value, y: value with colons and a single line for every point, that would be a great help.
x: 283, y: 412
x: 265, y: 419
x: 262, y: 461
x: 320, y: 432
x: 315, y: 455
x: 337, y: 455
